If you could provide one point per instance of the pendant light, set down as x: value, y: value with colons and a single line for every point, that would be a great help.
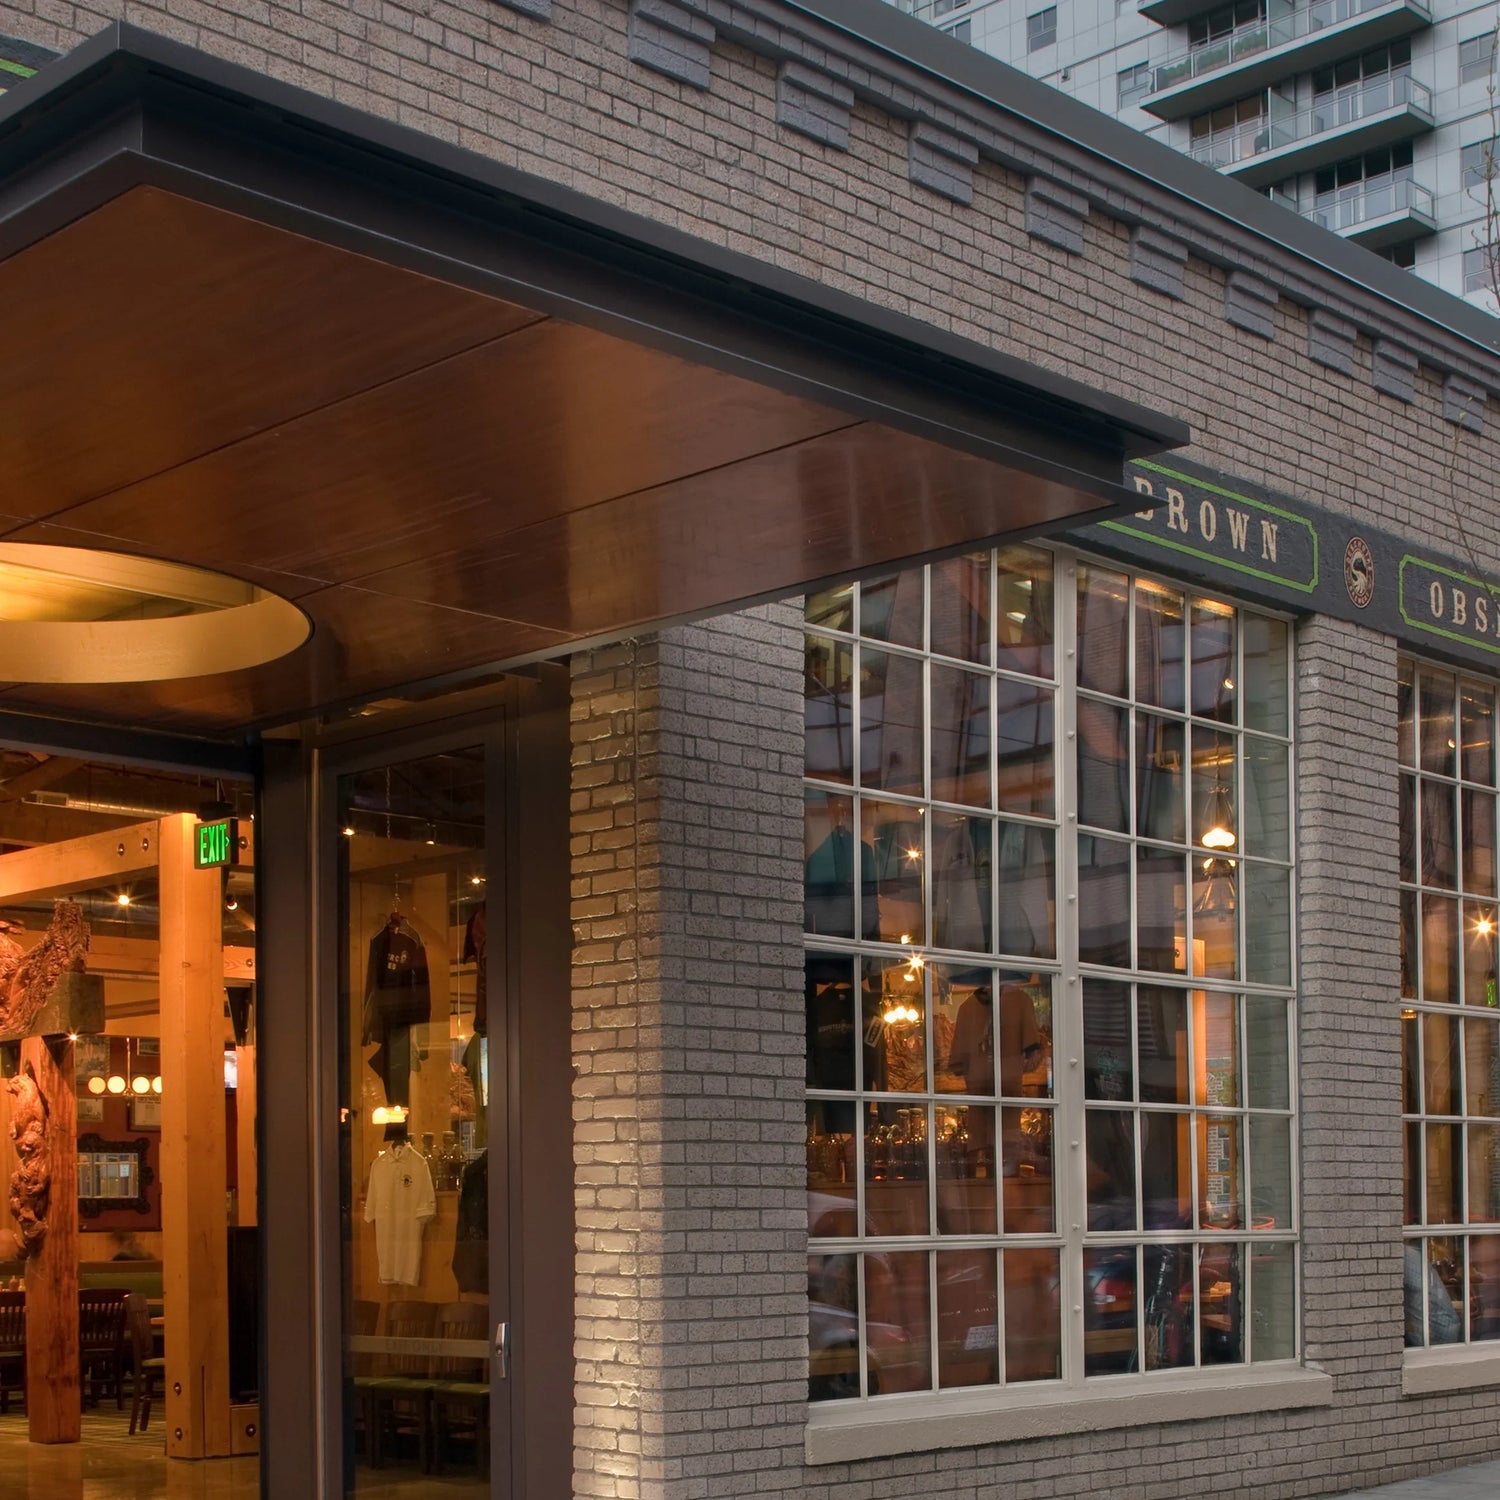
x: 1220, y: 832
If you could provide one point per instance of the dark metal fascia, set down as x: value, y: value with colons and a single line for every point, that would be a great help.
x: 124, y: 746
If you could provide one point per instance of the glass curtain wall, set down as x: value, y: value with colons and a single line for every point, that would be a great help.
x: 1048, y: 901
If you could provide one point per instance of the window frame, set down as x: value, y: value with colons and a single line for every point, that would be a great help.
x: 1041, y: 29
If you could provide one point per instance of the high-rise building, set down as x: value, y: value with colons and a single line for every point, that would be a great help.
x: 1375, y: 118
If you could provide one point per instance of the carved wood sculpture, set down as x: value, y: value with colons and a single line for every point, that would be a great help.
x: 31, y: 1182
x: 27, y: 979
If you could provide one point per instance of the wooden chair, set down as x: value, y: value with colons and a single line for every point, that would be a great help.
x: 400, y: 1403
x: 12, y: 1347
x: 364, y: 1370
x: 146, y: 1367
x: 101, y: 1343
x: 460, y: 1386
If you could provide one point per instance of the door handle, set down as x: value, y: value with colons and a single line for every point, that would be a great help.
x: 502, y: 1348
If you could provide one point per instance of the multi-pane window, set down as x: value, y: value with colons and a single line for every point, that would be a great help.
x: 1450, y: 1016
x: 1479, y: 268
x: 1041, y: 29
x: 1134, y: 83
x: 1476, y: 58
x: 1479, y: 163
x: 1048, y: 901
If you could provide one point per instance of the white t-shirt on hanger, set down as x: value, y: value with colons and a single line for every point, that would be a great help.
x: 399, y: 1202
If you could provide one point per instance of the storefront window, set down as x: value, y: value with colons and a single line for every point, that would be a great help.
x: 1049, y: 898
x: 1450, y: 1027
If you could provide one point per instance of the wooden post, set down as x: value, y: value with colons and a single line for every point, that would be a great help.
x: 247, y: 1160
x: 195, y: 1218
x: 52, y: 1396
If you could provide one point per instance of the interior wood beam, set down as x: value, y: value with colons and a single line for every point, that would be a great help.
x: 83, y: 863
x: 46, y: 772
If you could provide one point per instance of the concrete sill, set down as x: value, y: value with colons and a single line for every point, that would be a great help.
x: 1427, y: 1372
x: 915, y: 1424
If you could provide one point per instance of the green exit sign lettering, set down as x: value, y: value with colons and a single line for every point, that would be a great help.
x: 216, y: 844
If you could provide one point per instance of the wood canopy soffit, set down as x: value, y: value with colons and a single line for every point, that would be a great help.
x: 443, y: 478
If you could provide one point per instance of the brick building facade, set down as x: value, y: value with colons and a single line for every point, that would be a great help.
x: 850, y: 148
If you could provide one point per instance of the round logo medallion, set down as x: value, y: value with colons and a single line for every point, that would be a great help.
x: 1359, y: 571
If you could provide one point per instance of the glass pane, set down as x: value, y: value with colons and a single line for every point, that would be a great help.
x: 1439, y: 949
x: 1024, y: 735
x: 1166, y: 1170
x: 830, y: 1021
x: 1484, y: 1174
x: 1484, y: 1278
x: 898, y: 1327
x: 1477, y: 721
x: 1160, y: 785
x: 1273, y: 1302
x: 1268, y: 924
x: 1108, y: 1072
x: 1444, y: 1164
x: 1268, y: 803
x: 828, y: 708
x: 1033, y: 1344
x: 953, y: 995
x: 1027, y: 890
x: 1216, y: 921
x: 1479, y: 842
x: 1437, y: 722
x: 890, y: 722
x: 1409, y: 967
x: 961, y: 607
x: 1161, y: 916
x: 1439, y: 836
x: 832, y: 1327
x: 1482, y: 1067
x: 1215, y: 692
x: 962, y: 881
x: 1168, y: 1310
x: 1479, y: 954
x: 1407, y: 826
x: 1024, y: 627
x: 892, y: 908
x: 1162, y: 1044
x: 1445, y: 1291
x: 1406, y: 711
x: 1103, y: 901
x: 1266, y: 674
x: 1268, y: 1085
x: 1411, y: 1075
x: 1216, y: 822
x: 1026, y: 1165
x: 832, y: 854
x: 1103, y: 630
x: 1215, y: 1021
x: 832, y: 1188
x: 1109, y: 1308
x: 1440, y: 1064
x: 968, y: 1318
x: 895, y: 1169
x: 966, y: 1170
x: 1411, y: 1169
x: 960, y: 736
x: 1221, y: 1292
x: 1110, y: 1169
x: 833, y: 608
x: 890, y: 609
x: 1222, y: 1197
x: 1160, y: 646
x: 1103, y: 765
x: 894, y: 1027
x: 1270, y: 1172
x: 416, y: 1063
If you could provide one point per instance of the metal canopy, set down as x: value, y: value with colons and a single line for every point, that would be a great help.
x: 461, y: 416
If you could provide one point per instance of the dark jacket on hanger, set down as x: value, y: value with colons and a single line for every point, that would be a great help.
x: 471, y: 1238
x: 398, y: 996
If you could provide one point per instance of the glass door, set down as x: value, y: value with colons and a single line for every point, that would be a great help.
x: 424, y: 1367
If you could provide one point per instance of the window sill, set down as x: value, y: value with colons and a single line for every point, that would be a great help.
x: 916, y: 1424
x: 1428, y: 1372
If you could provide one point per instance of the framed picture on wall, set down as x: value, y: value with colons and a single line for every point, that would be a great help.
x: 90, y: 1110
x: 145, y: 1113
x: 90, y: 1058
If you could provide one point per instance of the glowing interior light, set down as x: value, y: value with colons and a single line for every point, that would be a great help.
x: 1484, y: 927
x: 116, y: 1084
x: 1218, y: 837
x: 96, y: 1084
x: 123, y: 899
x: 140, y: 1084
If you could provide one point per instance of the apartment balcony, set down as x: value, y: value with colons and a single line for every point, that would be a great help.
x: 1176, y: 12
x: 1256, y: 56
x: 1379, y: 214
x: 1378, y: 112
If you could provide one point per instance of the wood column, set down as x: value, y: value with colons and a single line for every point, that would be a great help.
x: 52, y: 1396
x: 195, y: 1218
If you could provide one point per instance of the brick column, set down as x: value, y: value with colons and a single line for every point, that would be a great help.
x: 689, y: 1044
x: 1350, y: 1033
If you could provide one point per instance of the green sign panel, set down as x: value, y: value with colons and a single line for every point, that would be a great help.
x: 216, y: 844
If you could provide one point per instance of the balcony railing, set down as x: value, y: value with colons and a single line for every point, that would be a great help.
x: 1255, y: 37
x: 1225, y: 148
x: 1375, y: 200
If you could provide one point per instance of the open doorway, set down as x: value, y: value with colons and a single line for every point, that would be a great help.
x: 129, y: 1242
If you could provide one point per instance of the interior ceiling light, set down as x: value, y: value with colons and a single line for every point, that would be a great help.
x: 73, y: 614
x: 1220, y: 834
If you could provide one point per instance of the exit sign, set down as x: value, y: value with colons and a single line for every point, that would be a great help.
x: 217, y: 843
